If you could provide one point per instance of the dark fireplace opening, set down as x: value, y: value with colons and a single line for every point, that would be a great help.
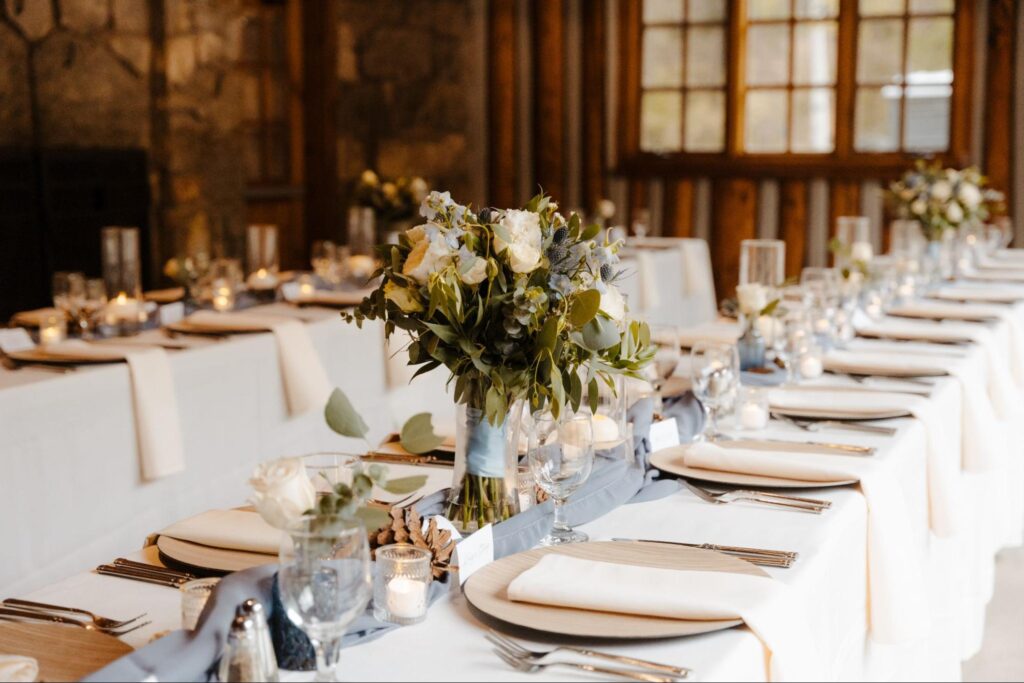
x: 53, y: 204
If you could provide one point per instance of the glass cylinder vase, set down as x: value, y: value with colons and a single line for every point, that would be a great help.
x: 122, y: 276
x: 262, y: 257
x: 485, y: 480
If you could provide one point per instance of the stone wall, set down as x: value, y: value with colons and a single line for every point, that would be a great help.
x: 411, y: 80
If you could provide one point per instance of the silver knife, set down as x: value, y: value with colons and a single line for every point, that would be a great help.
x: 818, y: 447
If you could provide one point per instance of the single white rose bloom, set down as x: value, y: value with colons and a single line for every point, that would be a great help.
x: 861, y: 251
x: 942, y: 190
x: 429, y: 255
x: 405, y: 299
x: 524, y: 249
x: 472, y: 268
x: 954, y: 213
x: 282, y: 491
x: 918, y: 207
x: 752, y: 298
x: 969, y: 195
x: 613, y: 303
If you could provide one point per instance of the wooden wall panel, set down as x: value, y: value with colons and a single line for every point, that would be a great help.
x: 734, y: 219
x: 320, y: 87
x: 637, y: 198
x: 844, y: 200
x: 793, y: 224
x: 999, y: 114
x: 549, y: 104
x: 594, y: 65
x: 501, y: 105
x: 678, y: 208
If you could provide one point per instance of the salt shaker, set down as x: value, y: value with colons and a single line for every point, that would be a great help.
x: 242, y: 659
x: 254, y: 609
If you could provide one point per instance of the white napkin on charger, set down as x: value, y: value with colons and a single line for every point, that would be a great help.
x: 231, y: 529
x: 896, y: 594
x: 305, y: 381
x: 979, y: 293
x: 157, y: 426
x: 768, y: 607
x: 722, y: 331
x: 18, y: 669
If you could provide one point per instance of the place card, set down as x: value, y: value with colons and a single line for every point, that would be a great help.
x: 15, y: 339
x: 664, y: 434
x: 474, y: 552
x: 172, y: 313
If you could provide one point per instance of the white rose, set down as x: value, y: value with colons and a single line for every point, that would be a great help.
x: 524, y: 249
x: 282, y: 491
x: 942, y: 190
x: 969, y: 195
x: 429, y: 254
x: 918, y: 207
x: 472, y: 268
x: 752, y: 298
x: 954, y: 213
x: 613, y: 303
x: 861, y: 251
x: 406, y: 300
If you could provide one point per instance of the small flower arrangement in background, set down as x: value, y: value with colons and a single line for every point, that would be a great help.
x: 942, y: 199
x: 391, y: 199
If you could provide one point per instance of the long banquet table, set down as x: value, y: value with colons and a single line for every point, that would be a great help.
x: 831, y: 574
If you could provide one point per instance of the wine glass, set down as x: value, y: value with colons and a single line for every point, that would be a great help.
x: 561, y: 455
x: 94, y: 300
x: 641, y: 222
x: 323, y: 259
x: 715, y: 368
x: 68, y: 293
x: 325, y: 582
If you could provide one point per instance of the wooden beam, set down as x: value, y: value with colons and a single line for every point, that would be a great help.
x: 793, y: 224
x: 320, y: 47
x: 594, y: 50
x: 999, y: 95
x: 963, y: 71
x: 678, y: 208
x: 734, y: 219
x: 503, y: 148
x: 637, y: 199
x: 844, y: 200
x: 549, y: 105
x: 628, y: 133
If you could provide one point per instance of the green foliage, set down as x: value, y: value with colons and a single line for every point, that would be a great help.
x: 418, y: 435
x: 342, y: 417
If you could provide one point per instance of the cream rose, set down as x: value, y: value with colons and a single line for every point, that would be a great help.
x: 282, y: 491
x: 405, y: 299
x: 752, y: 298
x: 472, y: 268
x: 613, y: 303
x: 861, y: 251
x: 524, y: 247
x: 430, y: 253
x: 969, y: 195
x: 942, y: 190
x: 954, y: 213
x: 918, y: 207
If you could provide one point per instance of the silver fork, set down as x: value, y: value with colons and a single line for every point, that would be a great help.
x: 30, y: 615
x: 815, y: 425
x: 733, y: 496
x: 530, y: 667
x: 102, y: 622
x: 518, y: 651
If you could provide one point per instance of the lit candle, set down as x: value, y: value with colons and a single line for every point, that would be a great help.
x: 263, y: 279
x: 306, y: 287
x: 605, y: 430
x: 123, y: 308
x: 810, y: 367
x: 406, y: 598
x: 223, y: 296
x: 361, y: 266
x: 861, y: 251
x: 753, y: 416
x: 52, y: 329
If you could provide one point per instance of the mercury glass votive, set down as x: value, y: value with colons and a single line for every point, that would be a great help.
x: 194, y: 595
x: 401, y: 584
x: 752, y: 410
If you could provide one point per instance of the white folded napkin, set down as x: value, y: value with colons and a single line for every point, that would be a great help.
x: 887, y: 364
x: 943, y: 455
x: 979, y: 293
x: 18, y: 669
x: 230, y: 529
x: 949, y: 310
x: 1005, y: 274
x: 768, y: 607
x: 305, y: 381
x: 897, y: 596
x: 157, y: 425
x: 920, y: 330
x: 723, y: 331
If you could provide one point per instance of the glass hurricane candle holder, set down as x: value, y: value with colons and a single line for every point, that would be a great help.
x: 402, y: 584
x: 362, y: 230
x: 52, y: 329
x: 123, y: 279
x: 262, y: 257
x: 752, y: 411
x: 762, y: 262
x: 194, y: 595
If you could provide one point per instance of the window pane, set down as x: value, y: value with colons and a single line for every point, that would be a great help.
x: 879, y: 51
x: 930, y: 50
x: 705, y: 121
x: 768, y: 9
x: 926, y: 119
x: 814, y: 55
x: 663, y: 58
x: 877, y: 119
x: 766, y: 121
x: 870, y: 8
x: 817, y: 9
x: 813, y: 113
x: 660, y: 121
x: 931, y: 6
x: 706, y: 10
x: 705, y: 55
x: 768, y: 54
x: 663, y: 11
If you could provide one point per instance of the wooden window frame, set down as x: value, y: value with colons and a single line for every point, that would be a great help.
x: 842, y: 162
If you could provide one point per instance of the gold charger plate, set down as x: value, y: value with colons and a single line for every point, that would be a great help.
x: 38, y: 354
x: 934, y: 336
x: 670, y: 460
x: 487, y: 590
x: 165, y: 296
x: 867, y: 368
x: 826, y: 413
x: 185, y: 327
x: 64, y: 653
x: 207, y: 560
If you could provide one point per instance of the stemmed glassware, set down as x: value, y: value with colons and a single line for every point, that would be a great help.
x: 68, y: 293
x: 94, y: 300
x: 561, y: 455
x: 325, y: 582
x: 715, y: 369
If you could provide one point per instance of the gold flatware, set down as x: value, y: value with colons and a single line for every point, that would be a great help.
x: 725, y: 497
x: 815, y: 425
x: 531, y: 667
x: 139, y: 575
x: 759, y: 556
x: 394, y: 459
x: 816, y: 447
x: 152, y: 568
x: 35, y: 615
x: 102, y: 622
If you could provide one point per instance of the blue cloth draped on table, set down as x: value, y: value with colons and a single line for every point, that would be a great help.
x: 616, y: 480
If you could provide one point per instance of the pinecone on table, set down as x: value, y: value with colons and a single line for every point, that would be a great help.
x: 406, y: 527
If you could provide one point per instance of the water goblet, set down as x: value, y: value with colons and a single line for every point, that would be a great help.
x: 561, y: 455
x: 715, y: 369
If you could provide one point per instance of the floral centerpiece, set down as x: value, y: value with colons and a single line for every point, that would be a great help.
x: 942, y: 199
x: 756, y: 307
x: 392, y: 200
x: 521, y: 307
